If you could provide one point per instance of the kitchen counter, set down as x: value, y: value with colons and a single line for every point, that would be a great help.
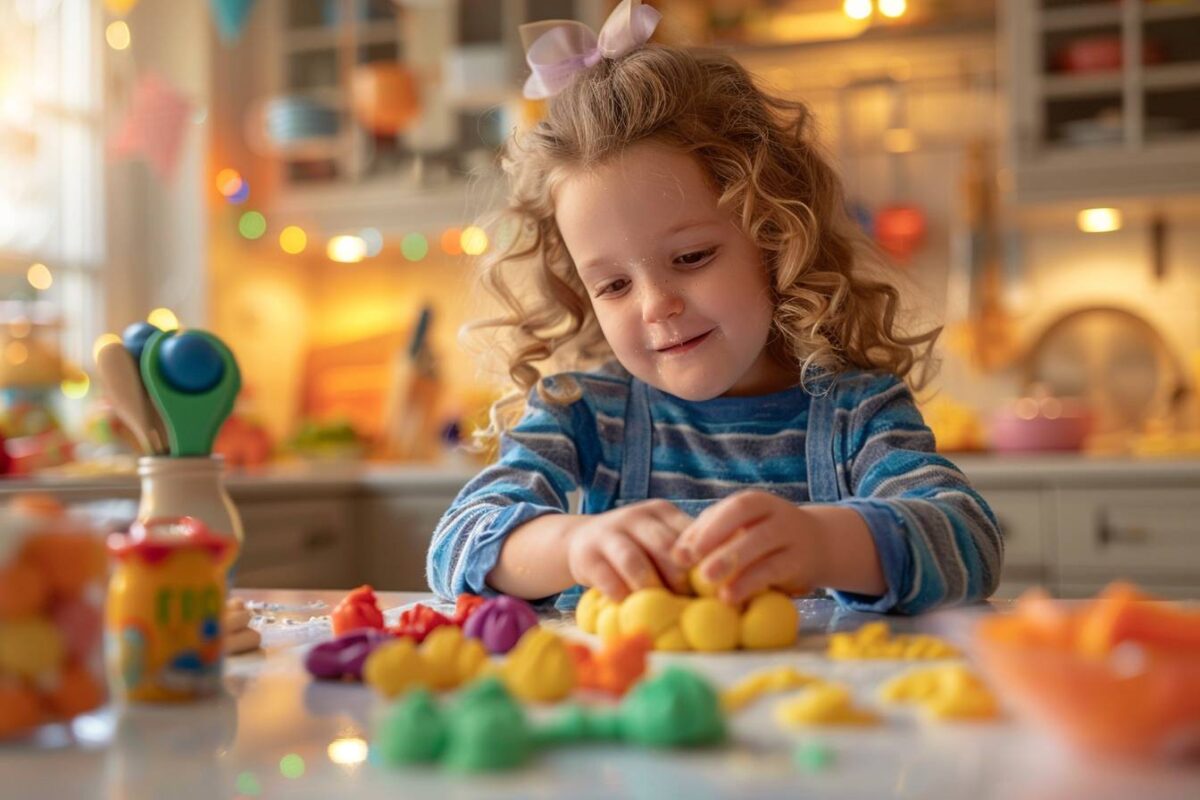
x: 274, y: 719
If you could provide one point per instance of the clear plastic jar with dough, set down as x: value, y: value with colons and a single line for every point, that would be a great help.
x: 53, y: 567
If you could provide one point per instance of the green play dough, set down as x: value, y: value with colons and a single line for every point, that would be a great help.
x: 486, y: 730
x: 576, y: 724
x: 812, y: 756
x: 676, y: 708
x: 413, y: 732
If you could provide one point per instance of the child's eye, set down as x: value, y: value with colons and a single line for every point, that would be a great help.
x: 696, y: 258
x: 611, y: 288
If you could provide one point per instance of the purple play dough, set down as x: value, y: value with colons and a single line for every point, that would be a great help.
x: 500, y: 622
x: 344, y: 656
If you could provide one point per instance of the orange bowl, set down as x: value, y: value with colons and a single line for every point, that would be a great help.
x: 1137, y: 700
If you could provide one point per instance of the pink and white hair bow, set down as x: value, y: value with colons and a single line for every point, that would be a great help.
x: 556, y: 49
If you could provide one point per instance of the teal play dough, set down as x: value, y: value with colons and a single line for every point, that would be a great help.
x: 486, y: 730
x: 413, y: 732
x: 676, y: 708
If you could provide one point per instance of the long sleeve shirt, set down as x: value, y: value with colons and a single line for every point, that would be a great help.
x: 860, y: 443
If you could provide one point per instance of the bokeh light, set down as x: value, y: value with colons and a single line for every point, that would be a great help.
x: 857, y: 9
x: 414, y: 246
x: 1099, y: 220
x: 252, y: 225
x: 120, y: 8
x: 293, y: 240
x: 347, y: 751
x: 893, y: 8
x: 346, y: 249
x: 117, y: 35
x: 39, y: 277
x: 474, y: 241
x: 291, y: 766
x: 229, y: 182
x: 247, y: 784
x: 16, y: 353
x: 373, y: 239
x: 102, y: 341
x: 76, y: 386
x: 164, y: 319
x: 452, y: 241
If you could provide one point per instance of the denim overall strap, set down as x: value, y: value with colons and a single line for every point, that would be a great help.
x: 818, y: 449
x: 639, y: 442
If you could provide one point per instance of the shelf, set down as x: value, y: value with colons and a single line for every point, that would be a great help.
x: 324, y: 37
x: 1072, y: 18
x: 1068, y: 86
x: 1157, y: 12
x: 1185, y: 75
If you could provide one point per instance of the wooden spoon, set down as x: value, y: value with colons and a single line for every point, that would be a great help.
x: 123, y: 385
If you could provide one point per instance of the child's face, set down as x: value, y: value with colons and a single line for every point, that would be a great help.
x: 679, y: 290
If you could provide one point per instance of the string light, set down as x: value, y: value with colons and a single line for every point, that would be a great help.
x: 229, y: 182
x: 474, y: 241
x: 373, y: 239
x: 39, y: 277
x: 857, y: 9
x: 452, y: 241
x: 346, y: 249
x: 164, y: 319
x: 117, y: 35
x: 893, y: 8
x: 293, y: 240
x: 252, y: 225
x: 102, y: 341
x: 1099, y: 220
x: 414, y: 246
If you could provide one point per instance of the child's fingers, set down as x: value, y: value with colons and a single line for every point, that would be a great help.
x: 758, y: 577
x: 675, y: 519
x: 606, y: 579
x: 236, y: 619
x: 716, y: 524
x: 631, y: 563
x: 736, y: 553
x: 657, y: 538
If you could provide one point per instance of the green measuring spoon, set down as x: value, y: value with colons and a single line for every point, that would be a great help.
x: 193, y: 418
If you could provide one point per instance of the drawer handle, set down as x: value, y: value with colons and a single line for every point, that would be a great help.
x: 320, y: 539
x: 1107, y: 533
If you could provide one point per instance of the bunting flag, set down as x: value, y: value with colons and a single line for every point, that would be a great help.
x: 154, y: 125
x: 231, y: 16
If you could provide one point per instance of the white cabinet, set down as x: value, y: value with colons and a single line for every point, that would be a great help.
x: 1022, y: 518
x: 1105, y: 97
x: 297, y: 544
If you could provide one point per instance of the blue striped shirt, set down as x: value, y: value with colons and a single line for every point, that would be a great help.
x: 937, y: 539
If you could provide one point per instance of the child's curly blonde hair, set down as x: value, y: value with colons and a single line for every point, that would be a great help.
x: 762, y: 155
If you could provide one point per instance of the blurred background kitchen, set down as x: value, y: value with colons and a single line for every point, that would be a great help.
x: 311, y: 180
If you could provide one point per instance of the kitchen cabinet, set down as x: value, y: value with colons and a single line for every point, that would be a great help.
x: 459, y: 63
x: 1104, y: 97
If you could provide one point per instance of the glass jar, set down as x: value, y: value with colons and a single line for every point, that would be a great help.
x: 52, y: 570
x: 189, y: 487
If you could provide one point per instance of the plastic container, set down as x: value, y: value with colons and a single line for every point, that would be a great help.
x: 52, y: 570
x: 163, y: 616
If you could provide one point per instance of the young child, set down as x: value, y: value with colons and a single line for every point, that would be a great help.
x: 739, y: 402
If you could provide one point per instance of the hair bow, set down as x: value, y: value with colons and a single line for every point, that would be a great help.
x: 556, y: 49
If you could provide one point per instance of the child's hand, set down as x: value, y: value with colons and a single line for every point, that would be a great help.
x: 750, y: 542
x: 629, y: 548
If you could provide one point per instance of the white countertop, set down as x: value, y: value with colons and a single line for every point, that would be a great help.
x: 232, y: 746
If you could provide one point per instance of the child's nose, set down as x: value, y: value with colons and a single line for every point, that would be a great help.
x: 660, y: 302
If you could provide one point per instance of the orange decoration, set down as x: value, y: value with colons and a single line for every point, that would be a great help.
x: 452, y: 241
x: 19, y: 710
x: 69, y: 561
x: 385, y: 97
x: 464, y: 607
x: 77, y: 692
x: 359, y: 609
x: 23, y: 590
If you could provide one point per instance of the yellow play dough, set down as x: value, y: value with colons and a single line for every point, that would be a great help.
x: 451, y: 659
x: 823, y: 704
x: 608, y: 621
x: 773, y: 679
x: 709, y: 625
x: 770, y: 621
x: 672, y: 640
x: 875, y: 640
x: 651, y: 611
x: 588, y: 610
x: 702, y: 587
x: 30, y: 648
x: 395, y: 667
x: 539, y: 668
x: 950, y: 691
